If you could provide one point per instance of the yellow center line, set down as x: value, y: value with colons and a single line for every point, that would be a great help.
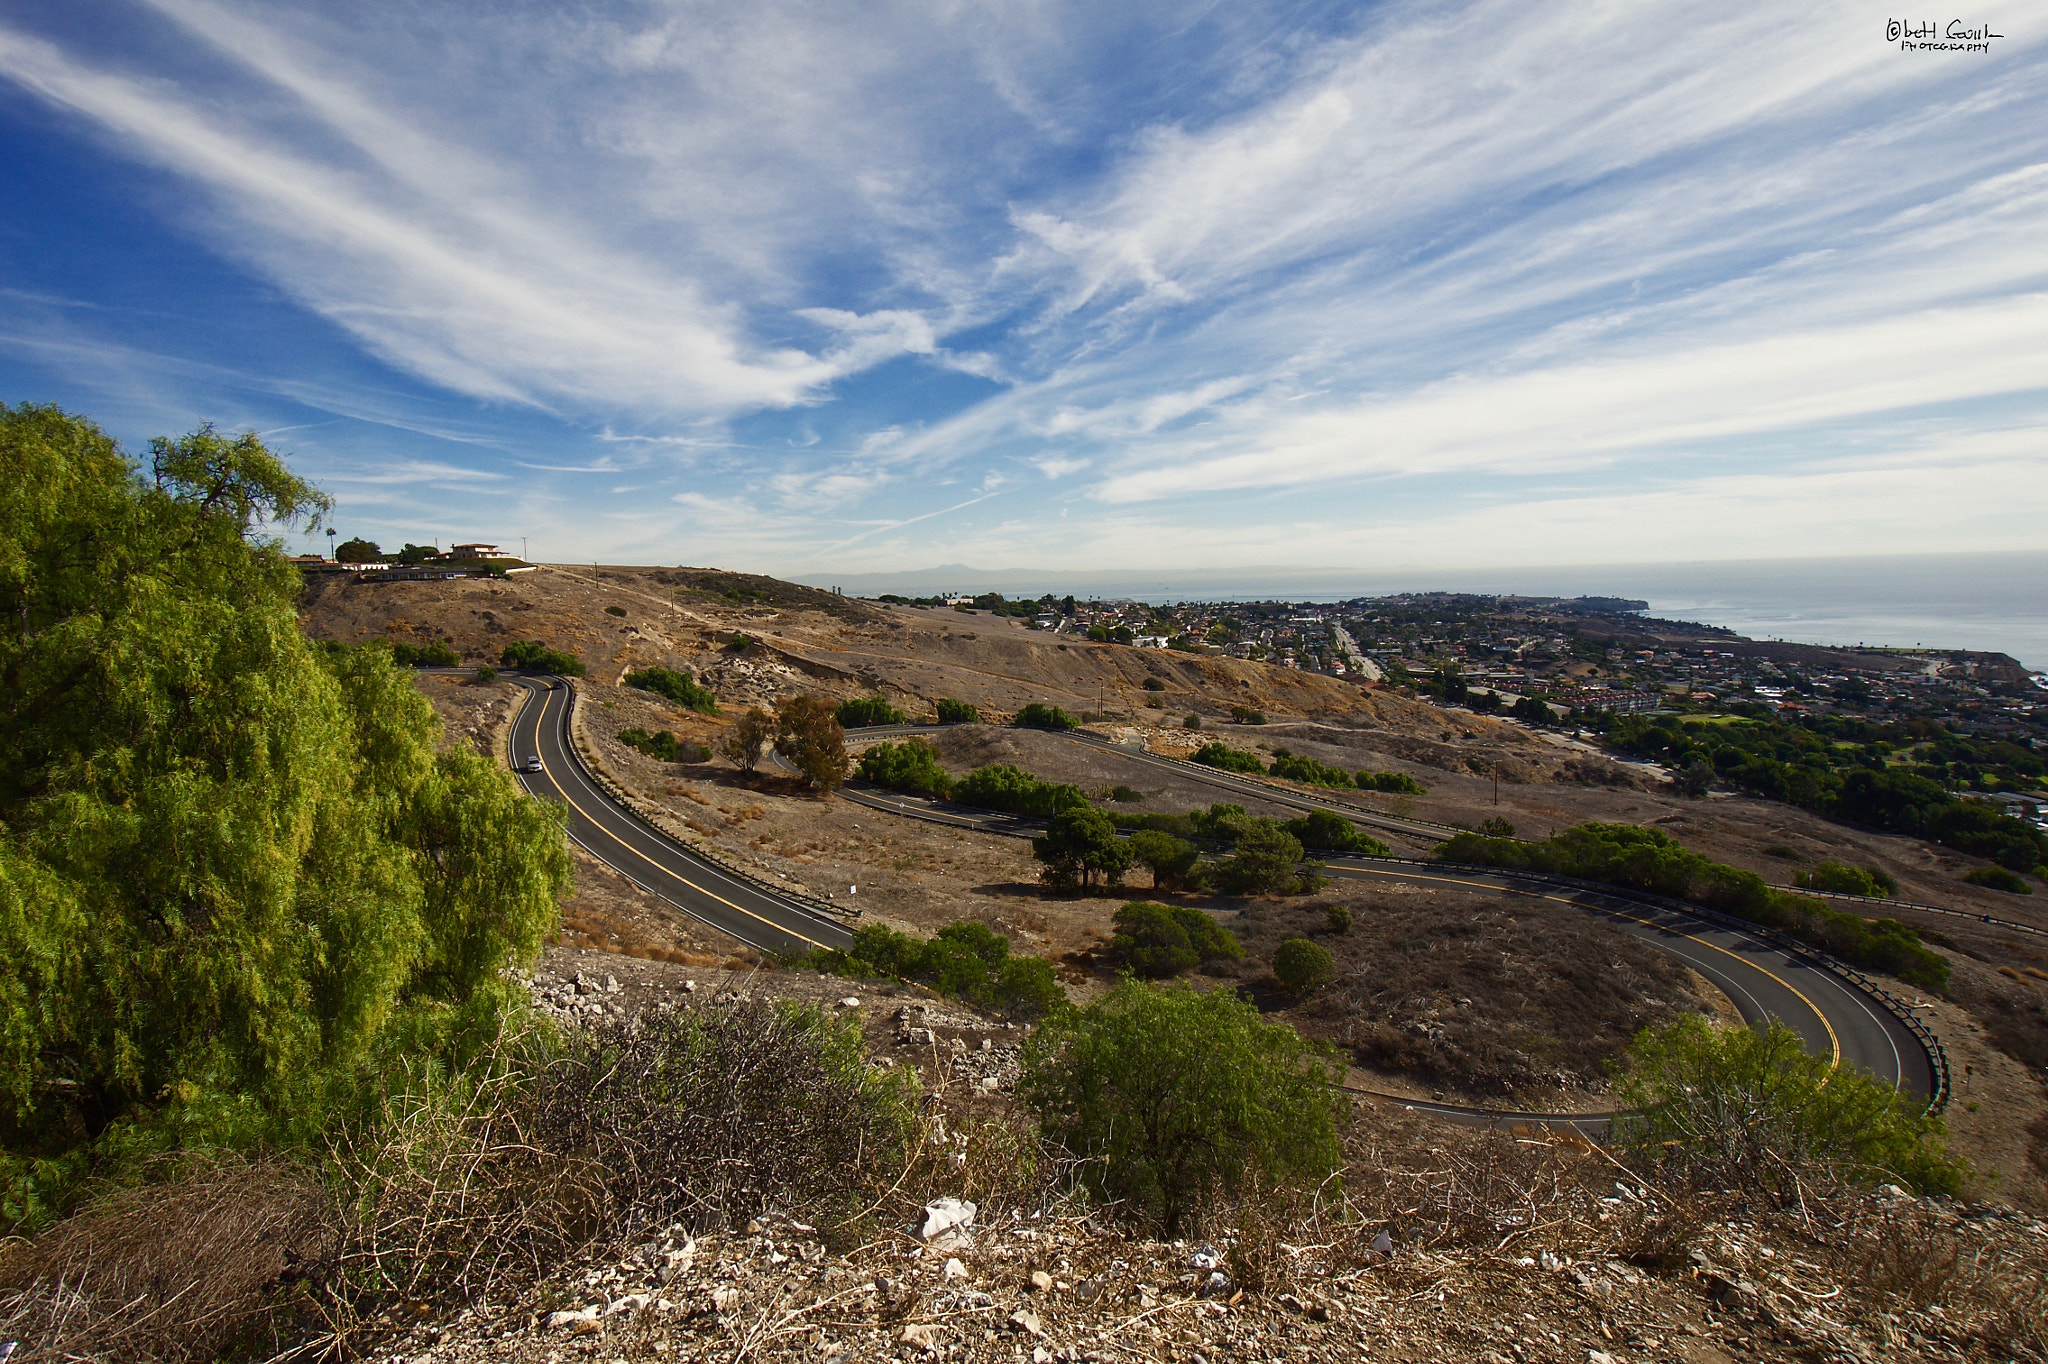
x: 670, y: 871
x: 1834, y: 1042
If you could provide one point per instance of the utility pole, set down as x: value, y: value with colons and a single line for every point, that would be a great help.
x: 522, y: 549
x: 1496, y: 783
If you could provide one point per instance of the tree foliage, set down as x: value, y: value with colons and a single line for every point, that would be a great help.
x: 911, y: 766
x: 809, y: 735
x: 1302, y: 965
x: 953, y: 712
x: 1225, y: 758
x: 748, y: 739
x: 1842, y: 879
x: 1080, y: 848
x: 1174, y: 862
x: 966, y: 960
x: 1038, y: 715
x: 664, y: 746
x: 1328, y: 829
x: 535, y: 656
x: 1005, y: 786
x: 1393, y: 783
x: 866, y: 711
x: 1749, y: 1109
x: 1171, y: 1099
x: 432, y: 654
x: 237, y: 877
x: 358, y: 551
x: 1651, y: 860
x: 678, y: 687
x: 1308, y: 771
x: 1156, y: 941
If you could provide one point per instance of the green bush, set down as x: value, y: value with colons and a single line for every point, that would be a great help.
x: 1998, y: 878
x: 1747, y: 1109
x: 1040, y: 716
x: 1156, y: 941
x: 1245, y: 715
x: 434, y: 654
x: 1004, y: 786
x: 535, y: 656
x: 1227, y: 759
x: 1078, y: 846
x: 240, y: 880
x: 678, y: 687
x: 1339, y: 919
x: 1174, y: 862
x: 1651, y: 860
x: 1302, y: 966
x: 911, y: 766
x: 1126, y: 795
x: 1308, y: 771
x: 615, y: 610
x: 953, y: 712
x: 1266, y: 860
x: 965, y: 961
x: 1170, y: 1099
x: 486, y: 675
x: 868, y: 711
x: 1192, y: 722
x: 1393, y: 783
x: 1328, y: 829
x: 1154, y: 684
x: 1847, y: 880
x: 663, y: 746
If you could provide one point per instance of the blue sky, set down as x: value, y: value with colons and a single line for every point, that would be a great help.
x: 804, y: 289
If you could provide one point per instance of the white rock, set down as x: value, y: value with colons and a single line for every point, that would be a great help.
x: 560, y: 1319
x: 945, y: 1214
x: 632, y: 1302
x: 955, y: 1270
x: 850, y: 1002
x: 1383, y: 1245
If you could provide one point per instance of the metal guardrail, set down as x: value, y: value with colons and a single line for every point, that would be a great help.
x: 828, y: 908
x: 1993, y: 920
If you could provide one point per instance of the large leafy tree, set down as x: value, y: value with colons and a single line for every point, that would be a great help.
x: 236, y: 874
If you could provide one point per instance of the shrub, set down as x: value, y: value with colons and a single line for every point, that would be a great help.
x: 1266, y: 860
x: 1245, y: 715
x: 1078, y: 846
x: 663, y: 746
x: 1328, y: 829
x: 1309, y: 771
x: 1126, y: 795
x: 486, y: 675
x: 1174, y: 862
x: 1154, y: 684
x: 1847, y: 880
x: 615, y: 610
x: 1037, y: 715
x: 911, y: 766
x: 866, y: 712
x: 535, y: 656
x: 1192, y: 722
x: 1497, y: 827
x: 1301, y: 966
x: 1227, y: 759
x: 433, y: 654
x: 1168, y: 1098
x: 965, y: 961
x: 678, y: 687
x: 1156, y: 941
x: 1004, y: 786
x: 1998, y: 878
x: 953, y: 712
x: 1651, y: 860
x: 1747, y: 1109
x: 1393, y: 783
x: 1339, y: 919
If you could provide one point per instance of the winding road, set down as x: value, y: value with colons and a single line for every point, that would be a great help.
x: 1836, y: 1015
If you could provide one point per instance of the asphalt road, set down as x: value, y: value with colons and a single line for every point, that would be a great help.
x: 642, y: 854
x: 1831, y: 1014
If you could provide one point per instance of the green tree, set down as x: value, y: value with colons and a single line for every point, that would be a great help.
x: 678, y: 687
x: 537, y: 657
x: 1080, y: 846
x: 1170, y: 1099
x: 748, y: 739
x: 1843, y: 879
x: 1038, y: 715
x: 1752, y: 1109
x: 358, y: 551
x: 1005, y: 786
x: 953, y: 712
x: 1157, y: 941
x: 911, y: 766
x: 1227, y: 759
x: 809, y: 735
x: 1172, y: 861
x: 1328, y: 829
x: 1302, y: 966
x: 1266, y: 860
x: 866, y: 711
x: 237, y: 876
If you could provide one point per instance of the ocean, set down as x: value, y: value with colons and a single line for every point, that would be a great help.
x: 1992, y: 602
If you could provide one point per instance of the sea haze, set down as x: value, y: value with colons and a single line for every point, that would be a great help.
x: 1990, y: 602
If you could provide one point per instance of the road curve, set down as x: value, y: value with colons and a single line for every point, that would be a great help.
x: 642, y: 854
x: 1765, y: 979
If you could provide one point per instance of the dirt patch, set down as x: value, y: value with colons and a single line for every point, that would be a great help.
x: 1488, y: 997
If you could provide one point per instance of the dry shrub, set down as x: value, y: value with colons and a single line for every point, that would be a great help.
x: 221, y: 1257
x: 1992, y: 1290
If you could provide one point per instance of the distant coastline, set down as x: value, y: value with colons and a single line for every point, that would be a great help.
x: 1994, y: 602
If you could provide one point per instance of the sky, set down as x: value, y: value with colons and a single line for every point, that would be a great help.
x: 807, y: 289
